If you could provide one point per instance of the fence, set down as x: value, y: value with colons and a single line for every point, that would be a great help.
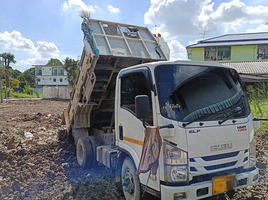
x: 57, y: 92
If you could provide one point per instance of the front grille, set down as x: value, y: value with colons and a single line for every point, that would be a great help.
x: 193, y: 169
x: 192, y: 160
x: 214, y: 167
x: 220, y: 156
x: 206, y: 177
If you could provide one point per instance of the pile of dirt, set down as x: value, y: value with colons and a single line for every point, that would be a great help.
x: 36, y: 164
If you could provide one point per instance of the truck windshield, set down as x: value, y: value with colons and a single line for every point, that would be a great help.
x: 188, y: 93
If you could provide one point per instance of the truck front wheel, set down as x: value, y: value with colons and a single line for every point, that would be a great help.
x: 130, y: 180
x: 85, y: 152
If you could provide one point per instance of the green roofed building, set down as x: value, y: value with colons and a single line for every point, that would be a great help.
x: 247, y: 51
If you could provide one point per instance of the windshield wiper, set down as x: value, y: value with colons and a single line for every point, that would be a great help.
x: 238, y: 110
x: 190, y: 122
x: 205, y: 115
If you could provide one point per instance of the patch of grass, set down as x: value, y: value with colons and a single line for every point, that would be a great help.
x: 260, y: 110
x: 258, y: 101
x: 22, y: 95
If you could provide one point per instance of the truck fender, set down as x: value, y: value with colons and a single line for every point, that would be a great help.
x: 120, y: 158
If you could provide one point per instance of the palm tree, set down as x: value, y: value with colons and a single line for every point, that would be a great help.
x: 7, y: 58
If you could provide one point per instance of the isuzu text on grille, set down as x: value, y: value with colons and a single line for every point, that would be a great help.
x: 220, y: 147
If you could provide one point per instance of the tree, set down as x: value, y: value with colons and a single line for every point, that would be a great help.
x: 70, y: 65
x: 55, y: 62
x: 28, y: 76
x: 7, y: 58
x: 14, y: 83
x: 14, y: 73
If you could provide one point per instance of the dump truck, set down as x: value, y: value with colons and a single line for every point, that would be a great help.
x: 200, y: 110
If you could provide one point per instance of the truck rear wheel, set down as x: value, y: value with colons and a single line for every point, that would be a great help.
x: 130, y: 180
x: 85, y: 152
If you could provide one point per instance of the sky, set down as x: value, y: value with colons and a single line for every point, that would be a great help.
x: 37, y: 30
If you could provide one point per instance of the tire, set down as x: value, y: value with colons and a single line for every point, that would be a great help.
x: 85, y: 152
x: 130, y: 181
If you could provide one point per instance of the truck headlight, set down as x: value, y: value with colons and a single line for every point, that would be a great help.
x: 252, y: 153
x: 176, y: 164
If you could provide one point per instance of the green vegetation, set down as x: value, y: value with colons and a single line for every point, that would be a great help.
x: 258, y: 101
x: 71, y: 66
x: 55, y: 62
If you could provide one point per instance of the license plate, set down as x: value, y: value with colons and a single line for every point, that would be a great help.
x: 221, y: 184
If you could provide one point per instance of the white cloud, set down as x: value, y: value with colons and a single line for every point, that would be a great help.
x: 14, y: 40
x: 113, y: 9
x: 190, y: 17
x: 42, y: 52
x: 261, y: 28
x: 196, y: 41
x: 177, y: 51
x: 77, y: 5
x: 47, y: 49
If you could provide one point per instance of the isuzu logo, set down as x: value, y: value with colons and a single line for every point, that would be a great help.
x: 242, y: 128
x: 194, y: 131
x: 220, y: 147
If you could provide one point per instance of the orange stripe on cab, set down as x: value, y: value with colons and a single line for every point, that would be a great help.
x: 133, y: 140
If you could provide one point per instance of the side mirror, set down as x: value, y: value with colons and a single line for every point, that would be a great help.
x: 142, y: 106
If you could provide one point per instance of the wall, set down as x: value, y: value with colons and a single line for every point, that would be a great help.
x: 238, y: 53
x: 198, y: 54
x: 46, y: 70
x: 243, y: 53
x: 57, y: 92
x: 48, y: 80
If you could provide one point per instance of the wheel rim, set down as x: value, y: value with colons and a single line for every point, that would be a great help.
x: 128, y: 182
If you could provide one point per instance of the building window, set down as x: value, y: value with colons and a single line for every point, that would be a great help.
x: 54, y: 79
x: 39, y: 72
x: 217, y: 53
x: 39, y: 80
x: 54, y: 72
x: 61, y: 72
x: 60, y: 79
x: 210, y: 53
x: 262, y: 52
x: 224, y: 53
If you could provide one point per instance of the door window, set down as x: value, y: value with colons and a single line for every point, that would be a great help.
x: 131, y: 86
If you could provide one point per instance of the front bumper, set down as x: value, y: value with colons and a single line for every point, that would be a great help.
x: 242, y: 180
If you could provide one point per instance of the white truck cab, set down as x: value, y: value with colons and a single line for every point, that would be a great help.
x: 209, y: 147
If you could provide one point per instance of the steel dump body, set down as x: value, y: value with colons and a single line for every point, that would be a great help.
x: 108, y: 48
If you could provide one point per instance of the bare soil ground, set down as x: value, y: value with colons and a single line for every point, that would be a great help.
x: 43, y: 166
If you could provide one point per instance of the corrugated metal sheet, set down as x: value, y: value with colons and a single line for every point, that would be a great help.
x: 234, y: 43
x: 234, y: 39
x: 254, y: 67
x: 243, y: 36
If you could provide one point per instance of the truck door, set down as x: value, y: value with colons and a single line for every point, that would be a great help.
x: 130, y: 134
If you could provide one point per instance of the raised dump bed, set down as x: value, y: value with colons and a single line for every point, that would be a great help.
x: 108, y: 48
